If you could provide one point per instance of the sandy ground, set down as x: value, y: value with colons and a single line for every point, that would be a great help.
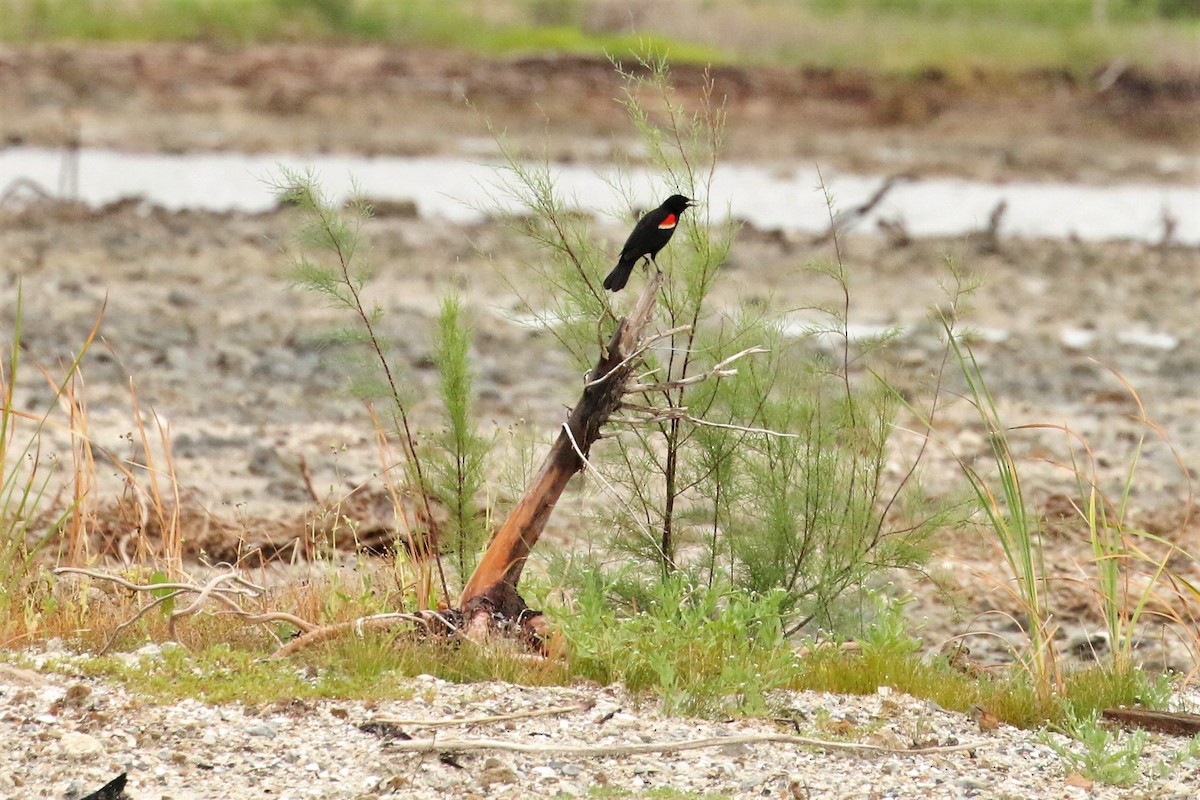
x: 69, y: 736
x: 199, y: 314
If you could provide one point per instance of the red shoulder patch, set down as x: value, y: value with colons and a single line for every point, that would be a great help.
x: 670, y: 222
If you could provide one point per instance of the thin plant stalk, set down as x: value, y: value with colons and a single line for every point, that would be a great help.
x: 1008, y: 518
x: 24, y: 481
x: 344, y: 284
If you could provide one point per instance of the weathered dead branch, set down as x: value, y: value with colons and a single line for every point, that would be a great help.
x: 223, y: 588
x: 491, y: 591
x: 226, y: 588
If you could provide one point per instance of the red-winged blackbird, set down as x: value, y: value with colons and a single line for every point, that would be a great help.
x: 650, y: 235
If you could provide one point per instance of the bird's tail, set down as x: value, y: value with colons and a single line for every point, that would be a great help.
x: 617, y: 279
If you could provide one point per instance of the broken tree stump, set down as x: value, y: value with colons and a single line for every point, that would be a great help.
x: 491, y: 593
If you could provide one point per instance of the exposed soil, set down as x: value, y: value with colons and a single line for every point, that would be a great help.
x: 199, y: 314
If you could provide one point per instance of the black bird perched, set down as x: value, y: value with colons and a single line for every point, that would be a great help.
x: 650, y: 235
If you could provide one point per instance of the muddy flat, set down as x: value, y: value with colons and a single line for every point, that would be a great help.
x: 1121, y: 125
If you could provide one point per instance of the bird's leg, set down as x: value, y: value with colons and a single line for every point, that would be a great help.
x: 654, y: 261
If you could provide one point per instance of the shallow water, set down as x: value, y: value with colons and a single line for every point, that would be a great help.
x: 770, y: 197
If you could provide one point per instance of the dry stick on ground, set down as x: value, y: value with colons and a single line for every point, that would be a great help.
x: 214, y: 589
x: 492, y: 588
x: 584, y: 705
x: 436, y: 745
x: 358, y: 626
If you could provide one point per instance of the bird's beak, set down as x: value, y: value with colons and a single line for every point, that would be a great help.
x: 691, y: 203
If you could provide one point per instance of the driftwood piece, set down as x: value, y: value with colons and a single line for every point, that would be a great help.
x: 1175, y: 723
x: 491, y: 591
x: 846, y: 220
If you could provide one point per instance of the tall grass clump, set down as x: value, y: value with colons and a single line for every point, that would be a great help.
x: 1138, y: 576
x: 1015, y: 527
x: 30, y: 516
x: 1134, y: 576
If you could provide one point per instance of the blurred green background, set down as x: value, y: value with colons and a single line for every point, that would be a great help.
x: 955, y: 36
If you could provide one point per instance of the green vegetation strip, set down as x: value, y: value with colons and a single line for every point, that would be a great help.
x: 413, y: 22
x: 893, y: 36
x: 684, y: 658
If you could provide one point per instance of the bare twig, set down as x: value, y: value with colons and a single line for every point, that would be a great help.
x: 209, y: 589
x: 249, y: 589
x: 719, y: 370
x: 585, y: 705
x: 221, y: 588
x: 436, y: 745
x: 358, y: 626
x: 642, y: 347
x: 655, y: 414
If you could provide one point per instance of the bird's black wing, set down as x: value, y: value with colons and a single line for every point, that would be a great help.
x: 113, y: 790
x: 639, y: 241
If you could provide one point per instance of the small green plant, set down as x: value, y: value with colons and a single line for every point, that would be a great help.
x: 1100, y: 755
x: 1170, y: 764
x: 458, y: 464
x: 704, y: 651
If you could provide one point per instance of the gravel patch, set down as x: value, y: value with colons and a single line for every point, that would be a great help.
x: 68, y: 737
